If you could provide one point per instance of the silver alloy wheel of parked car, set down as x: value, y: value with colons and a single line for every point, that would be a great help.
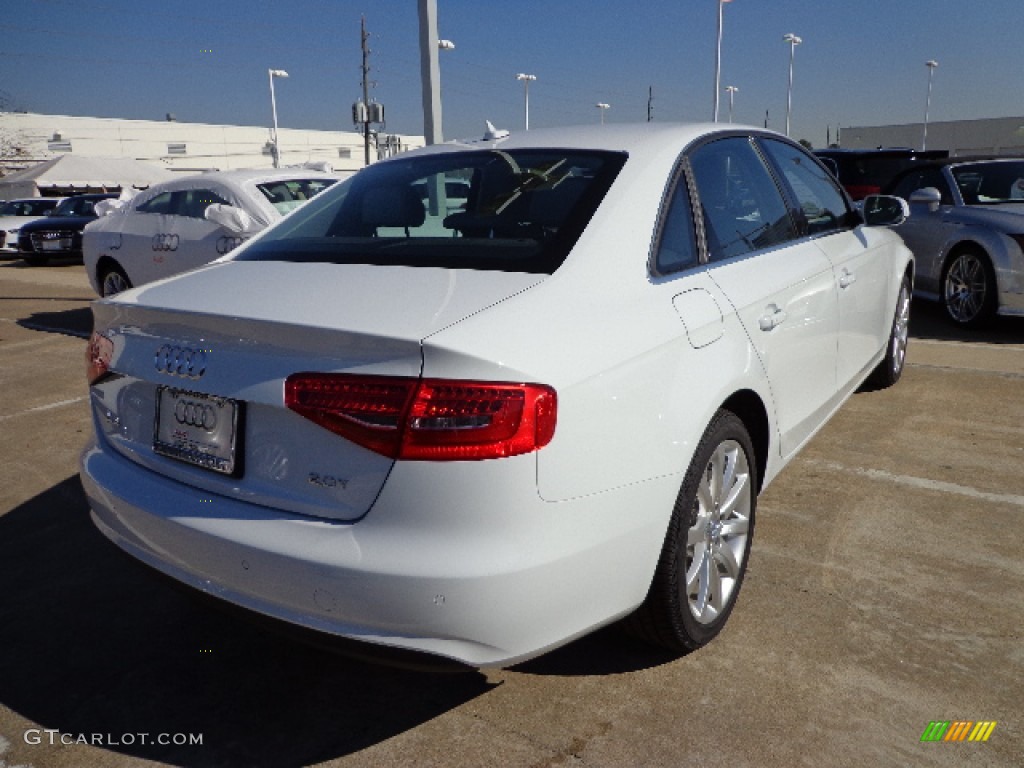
x: 716, y: 543
x: 114, y: 281
x: 968, y: 289
x: 900, y: 332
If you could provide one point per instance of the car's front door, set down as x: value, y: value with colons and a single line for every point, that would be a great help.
x: 860, y: 259
x: 781, y: 287
x: 927, y: 229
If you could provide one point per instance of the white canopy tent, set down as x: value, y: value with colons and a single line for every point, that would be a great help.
x: 71, y: 175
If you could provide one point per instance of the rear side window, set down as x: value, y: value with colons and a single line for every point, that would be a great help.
x: 512, y: 210
x: 743, y: 208
x: 194, y: 202
x: 823, y: 205
x: 677, y: 246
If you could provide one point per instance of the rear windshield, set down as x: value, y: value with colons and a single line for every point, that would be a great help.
x: 517, y: 211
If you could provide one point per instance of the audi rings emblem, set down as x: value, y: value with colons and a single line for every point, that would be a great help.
x: 181, y: 361
x: 226, y: 244
x: 165, y: 242
x: 192, y: 414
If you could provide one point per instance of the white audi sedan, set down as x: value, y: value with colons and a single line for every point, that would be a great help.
x: 484, y: 431
x: 184, y: 223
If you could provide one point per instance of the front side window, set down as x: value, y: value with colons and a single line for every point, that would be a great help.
x: 161, y: 203
x: 742, y: 206
x: 515, y: 210
x: 823, y: 205
x: 921, y: 178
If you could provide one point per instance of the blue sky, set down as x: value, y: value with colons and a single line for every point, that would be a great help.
x: 861, y: 63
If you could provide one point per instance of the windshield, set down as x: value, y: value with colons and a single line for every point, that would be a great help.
x: 77, y: 206
x: 1000, y: 181
x: 518, y: 211
x: 287, y: 194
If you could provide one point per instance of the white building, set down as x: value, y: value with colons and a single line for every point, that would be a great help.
x: 27, y: 138
x: 986, y: 136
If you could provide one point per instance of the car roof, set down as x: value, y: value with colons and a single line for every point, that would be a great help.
x: 636, y: 139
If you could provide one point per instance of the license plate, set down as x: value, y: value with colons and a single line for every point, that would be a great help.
x: 196, y: 429
x: 55, y: 245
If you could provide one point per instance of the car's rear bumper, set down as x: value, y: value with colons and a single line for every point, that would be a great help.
x: 497, y: 579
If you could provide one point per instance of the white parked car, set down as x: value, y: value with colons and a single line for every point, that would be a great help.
x: 184, y: 223
x: 15, y: 213
x: 483, y: 433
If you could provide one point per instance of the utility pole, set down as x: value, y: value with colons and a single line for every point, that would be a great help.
x: 364, y: 37
x: 650, y: 103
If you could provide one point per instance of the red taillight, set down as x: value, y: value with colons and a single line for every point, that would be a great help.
x: 98, y: 355
x: 429, y: 419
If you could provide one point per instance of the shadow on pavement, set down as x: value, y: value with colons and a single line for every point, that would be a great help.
x: 928, y: 321
x: 69, y: 322
x: 94, y: 643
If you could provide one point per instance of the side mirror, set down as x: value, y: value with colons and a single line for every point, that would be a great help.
x: 929, y: 196
x: 232, y: 218
x: 885, y: 210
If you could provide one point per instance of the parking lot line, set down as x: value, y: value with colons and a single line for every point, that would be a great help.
x: 919, y: 482
x: 39, y: 408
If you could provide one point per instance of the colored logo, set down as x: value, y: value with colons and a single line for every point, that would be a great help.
x: 958, y: 730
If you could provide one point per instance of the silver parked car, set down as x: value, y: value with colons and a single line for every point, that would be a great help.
x: 966, y: 230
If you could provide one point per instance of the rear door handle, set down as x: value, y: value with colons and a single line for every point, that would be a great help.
x: 847, y: 279
x: 772, y: 318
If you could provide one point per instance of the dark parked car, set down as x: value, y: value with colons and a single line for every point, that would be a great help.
x: 60, y: 233
x: 966, y: 230
x: 864, y: 172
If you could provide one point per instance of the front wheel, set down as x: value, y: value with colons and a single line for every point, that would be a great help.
x: 969, y: 290
x: 890, y: 370
x: 704, y: 557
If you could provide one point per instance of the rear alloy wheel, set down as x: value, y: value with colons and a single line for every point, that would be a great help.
x: 969, y: 290
x: 890, y: 370
x: 114, y: 280
x: 704, y: 557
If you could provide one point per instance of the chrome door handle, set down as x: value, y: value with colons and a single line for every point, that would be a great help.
x: 847, y: 279
x: 772, y: 318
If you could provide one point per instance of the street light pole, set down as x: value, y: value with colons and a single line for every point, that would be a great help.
x: 718, y: 58
x: 430, y: 72
x: 731, y: 90
x: 527, y: 79
x: 931, y: 64
x: 272, y: 73
x: 603, y: 107
x: 793, y: 41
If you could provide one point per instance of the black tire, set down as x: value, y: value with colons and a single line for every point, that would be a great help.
x: 36, y: 260
x: 890, y: 370
x: 673, y: 616
x: 969, y: 289
x: 113, y: 280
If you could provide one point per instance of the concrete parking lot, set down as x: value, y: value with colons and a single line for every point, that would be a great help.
x: 885, y: 591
